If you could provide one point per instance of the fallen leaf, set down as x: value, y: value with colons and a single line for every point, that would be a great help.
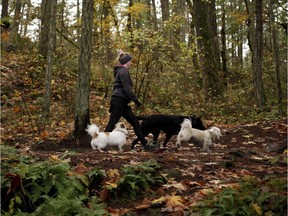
x: 81, y: 169
x: 257, y: 208
x: 44, y: 134
x: 113, y: 173
x: 174, y: 203
x: 181, y: 187
x: 103, y: 194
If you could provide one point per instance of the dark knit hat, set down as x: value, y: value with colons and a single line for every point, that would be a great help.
x: 123, y: 59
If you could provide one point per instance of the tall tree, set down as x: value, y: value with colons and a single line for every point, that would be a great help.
x: 82, y: 113
x: 275, y: 49
x: 214, y: 35
x: 258, y: 57
x: 4, y: 12
x: 154, y: 16
x: 165, y: 17
x: 50, y: 53
x: 208, y: 65
x: 16, y: 21
x: 45, y: 25
x: 223, y: 43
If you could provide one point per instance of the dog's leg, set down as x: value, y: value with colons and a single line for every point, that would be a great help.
x: 134, y: 142
x: 100, y: 149
x: 167, y: 138
x: 178, y: 143
x: 206, y: 146
x: 155, y: 134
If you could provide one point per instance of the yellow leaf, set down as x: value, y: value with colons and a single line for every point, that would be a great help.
x: 159, y: 200
x: 175, y: 201
x: 113, y: 185
x: 257, y: 208
x: 55, y: 158
x: 61, y: 123
x: 113, y: 173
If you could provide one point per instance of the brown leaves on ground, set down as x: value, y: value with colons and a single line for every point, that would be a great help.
x: 190, y: 173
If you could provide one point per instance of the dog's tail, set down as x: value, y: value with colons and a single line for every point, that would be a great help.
x: 215, y: 133
x: 93, y: 130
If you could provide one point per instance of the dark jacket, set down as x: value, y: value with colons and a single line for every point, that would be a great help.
x: 123, y: 84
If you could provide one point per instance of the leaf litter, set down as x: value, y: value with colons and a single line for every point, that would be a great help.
x: 244, y: 154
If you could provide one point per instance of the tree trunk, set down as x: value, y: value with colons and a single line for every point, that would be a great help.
x: 50, y: 52
x: 224, y: 49
x: 78, y: 21
x: 257, y: 58
x: 25, y: 25
x: 275, y: 49
x: 165, y: 10
x: 16, y: 21
x: 210, y: 74
x: 165, y: 17
x: 154, y: 16
x: 45, y: 24
x: 192, y: 42
x: 4, y: 12
x: 214, y: 35
x: 82, y: 115
x: 129, y: 25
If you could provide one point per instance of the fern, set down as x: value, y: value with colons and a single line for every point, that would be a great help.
x: 252, y: 196
x: 137, y: 179
x: 44, y: 188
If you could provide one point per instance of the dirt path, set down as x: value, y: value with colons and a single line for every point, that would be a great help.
x: 253, y: 149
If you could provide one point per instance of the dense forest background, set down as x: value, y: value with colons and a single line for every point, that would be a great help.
x: 223, y: 60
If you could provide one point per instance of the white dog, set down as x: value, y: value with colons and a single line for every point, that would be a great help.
x: 204, y: 137
x: 101, y: 140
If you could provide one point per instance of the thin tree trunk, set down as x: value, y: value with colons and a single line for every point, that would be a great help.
x: 165, y: 17
x: 50, y: 52
x: 257, y: 58
x: 78, y: 20
x: 224, y: 50
x: 4, y: 12
x: 129, y: 25
x: 16, y: 23
x: 154, y: 16
x: 45, y: 24
x: 82, y: 113
x: 192, y: 41
x: 275, y: 49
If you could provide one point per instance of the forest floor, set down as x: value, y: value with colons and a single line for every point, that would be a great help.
x: 256, y: 149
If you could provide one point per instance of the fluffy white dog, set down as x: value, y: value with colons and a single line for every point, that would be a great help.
x: 101, y: 140
x: 205, y: 137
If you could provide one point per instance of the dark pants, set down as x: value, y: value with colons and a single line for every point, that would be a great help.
x: 118, y: 108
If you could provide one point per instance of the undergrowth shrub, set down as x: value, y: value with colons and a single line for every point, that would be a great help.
x: 252, y: 197
x: 43, y: 187
x: 35, y: 187
x: 137, y: 179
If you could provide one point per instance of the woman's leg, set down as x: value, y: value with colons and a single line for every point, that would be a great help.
x: 131, y: 118
x: 117, y: 108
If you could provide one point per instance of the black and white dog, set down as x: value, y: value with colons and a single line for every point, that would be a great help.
x: 169, y: 124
